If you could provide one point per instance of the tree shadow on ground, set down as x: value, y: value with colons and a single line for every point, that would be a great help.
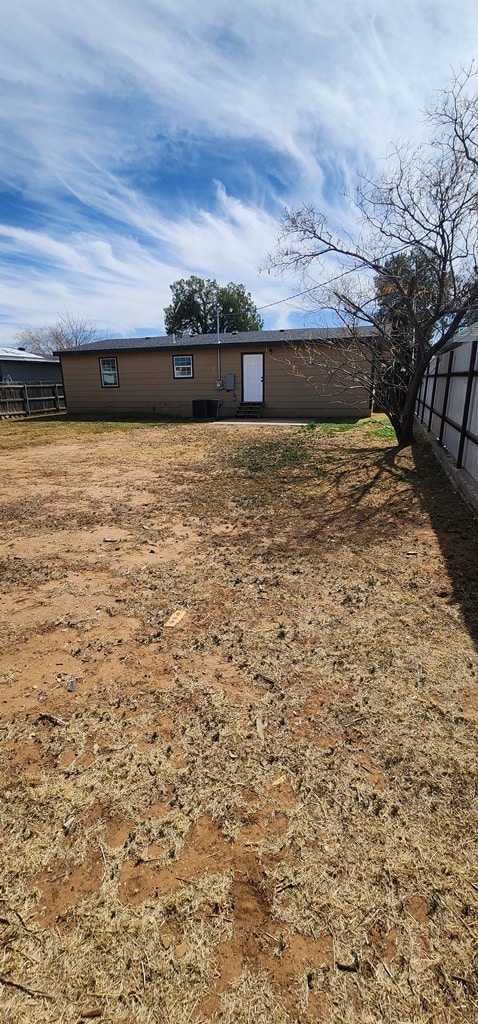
x: 389, y: 495
x: 367, y: 494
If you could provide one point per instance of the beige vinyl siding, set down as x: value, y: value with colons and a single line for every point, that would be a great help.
x: 288, y: 393
x: 147, y: 386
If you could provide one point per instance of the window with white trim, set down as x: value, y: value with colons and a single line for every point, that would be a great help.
x: 109, y: 372
x: 183, y: 366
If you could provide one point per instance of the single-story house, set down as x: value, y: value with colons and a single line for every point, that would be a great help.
x: 20, y: 367
x: 248, y: 374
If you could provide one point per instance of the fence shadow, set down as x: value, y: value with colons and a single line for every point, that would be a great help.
x: 456, y: 528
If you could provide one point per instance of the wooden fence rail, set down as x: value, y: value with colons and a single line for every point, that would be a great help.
x: 31, y: 399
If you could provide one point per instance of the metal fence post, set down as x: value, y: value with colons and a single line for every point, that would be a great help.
x: 434, y: 387
x: 445, y: 397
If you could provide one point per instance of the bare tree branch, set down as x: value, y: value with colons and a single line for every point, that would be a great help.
x: 410, y: 274
x: 67, y: 332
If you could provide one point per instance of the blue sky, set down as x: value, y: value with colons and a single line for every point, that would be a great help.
x: 145, y: 142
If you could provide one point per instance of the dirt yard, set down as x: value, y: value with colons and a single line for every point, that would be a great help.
x: 239, y: 708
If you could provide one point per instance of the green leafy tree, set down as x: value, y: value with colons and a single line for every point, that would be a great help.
x: 408, y: 276
x: 408, y: 285
x: 406, y: 291
x: 196, y: 303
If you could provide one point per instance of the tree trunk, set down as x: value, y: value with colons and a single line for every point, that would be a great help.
x: 403, y: 424
x: 404, y: 431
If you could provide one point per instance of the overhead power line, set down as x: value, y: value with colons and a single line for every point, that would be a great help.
x: 289, y: 297
x: 337, y: 277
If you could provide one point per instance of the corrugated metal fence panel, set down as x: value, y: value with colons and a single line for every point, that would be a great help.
x: 451, y: 439
x: 444, y: 362
x: 473, y: 416
x: 470, y: 458
x: 448, y: 403
x: 461, y: 358
x: 439, y: 393
x: 456, y: 398
x: 428, y: 388
x: 435, y: 424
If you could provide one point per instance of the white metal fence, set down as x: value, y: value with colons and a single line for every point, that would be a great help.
x: 447, y: 404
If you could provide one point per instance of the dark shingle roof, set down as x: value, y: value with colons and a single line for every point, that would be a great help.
x: 239, y: 338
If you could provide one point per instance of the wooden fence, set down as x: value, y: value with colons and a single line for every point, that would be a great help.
x: 31, y: 399
x: 447, y: 403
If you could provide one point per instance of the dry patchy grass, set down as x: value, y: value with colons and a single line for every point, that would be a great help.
x: 239, y: 719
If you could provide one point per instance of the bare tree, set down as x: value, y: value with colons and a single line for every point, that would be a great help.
x: 67, y: 332
x: 455, y: 114
x: 417, y: 223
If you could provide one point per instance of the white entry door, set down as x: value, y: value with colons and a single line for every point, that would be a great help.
x: 253, y: 377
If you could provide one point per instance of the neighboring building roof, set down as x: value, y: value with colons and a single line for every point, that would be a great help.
x: 19, y: 355
x: 462, y: 337
x: 241, y: 338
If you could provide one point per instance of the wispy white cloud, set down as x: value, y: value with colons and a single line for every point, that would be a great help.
x: 109, y: 110
x: 120, y: 283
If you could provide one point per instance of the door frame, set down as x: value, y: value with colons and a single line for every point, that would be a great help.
x: 243, y: 355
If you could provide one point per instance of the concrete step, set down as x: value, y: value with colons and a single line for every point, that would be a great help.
x: 249, y: 411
